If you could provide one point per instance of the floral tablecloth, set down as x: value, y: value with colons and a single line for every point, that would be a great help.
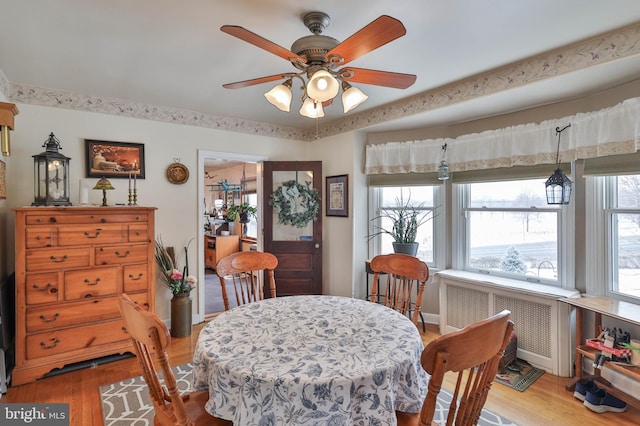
x: 310, y: 360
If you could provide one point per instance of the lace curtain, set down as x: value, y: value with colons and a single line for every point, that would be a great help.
x: 609, y: 131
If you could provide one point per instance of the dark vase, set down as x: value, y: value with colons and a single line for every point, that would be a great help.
x: 181, y: 315
x: 406, y: 248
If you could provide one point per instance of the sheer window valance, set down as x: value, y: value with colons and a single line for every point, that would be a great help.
x: 610, y: 131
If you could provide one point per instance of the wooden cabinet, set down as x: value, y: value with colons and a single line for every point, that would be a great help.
x: 219, y: 246
x: 72, y: 264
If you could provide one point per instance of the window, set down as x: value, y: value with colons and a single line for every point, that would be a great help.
x: 252, y: 226
x: 385, y: 201
x: 622, y: 215
x: 508, y: 229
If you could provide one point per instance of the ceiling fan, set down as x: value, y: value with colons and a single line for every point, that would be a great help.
x: 318, y: 57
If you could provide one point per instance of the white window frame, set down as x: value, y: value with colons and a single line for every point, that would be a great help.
x: 599, y: 210
x: 566, y: 244
x: 438, y: 222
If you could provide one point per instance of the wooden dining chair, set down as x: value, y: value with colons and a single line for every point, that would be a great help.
x: 474, y: 353
x: 394, y: 278
x: 150, y: 337
x: 248, y: 271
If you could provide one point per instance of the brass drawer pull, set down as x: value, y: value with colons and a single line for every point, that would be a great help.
x: 45, y: 288
x: 126, y: 253
x: 87, y: 282
x: 58, y: 260
x: 88, y: 235
x: 53, y: 345
x: 55, y: 317
x: 138, y: 278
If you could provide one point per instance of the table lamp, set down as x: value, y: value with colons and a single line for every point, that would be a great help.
x: 104, y: 184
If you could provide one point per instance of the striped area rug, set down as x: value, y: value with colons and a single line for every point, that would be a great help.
x: 127, y: 403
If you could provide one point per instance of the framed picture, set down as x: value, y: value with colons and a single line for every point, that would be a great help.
x: 337, y: 195
x: 114, y: 159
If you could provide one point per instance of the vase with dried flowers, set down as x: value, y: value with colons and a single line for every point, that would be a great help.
x: 180, y: 283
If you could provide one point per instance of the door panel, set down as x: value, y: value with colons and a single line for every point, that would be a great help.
x: 298, y: 249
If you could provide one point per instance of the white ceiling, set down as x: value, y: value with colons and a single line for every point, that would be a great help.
x: 173, y: 54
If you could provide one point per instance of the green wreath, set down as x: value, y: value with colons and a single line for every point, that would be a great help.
x: 295, y: 203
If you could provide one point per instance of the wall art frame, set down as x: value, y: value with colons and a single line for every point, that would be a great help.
x: 337, y: 195
x: 114, y: 159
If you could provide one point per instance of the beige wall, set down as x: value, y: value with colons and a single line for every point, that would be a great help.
x: 177, y: 214
x: 344, y: 243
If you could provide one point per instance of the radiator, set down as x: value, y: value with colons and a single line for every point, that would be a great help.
x: 544, y: 325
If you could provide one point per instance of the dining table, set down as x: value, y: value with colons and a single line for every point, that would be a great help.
x: 310, y: 360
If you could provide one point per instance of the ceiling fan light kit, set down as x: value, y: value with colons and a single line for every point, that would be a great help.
x: 322, y: 86
x: 351, y: 97
x: 312, y: 109
x: 280, y: 96
x: 317, y: 57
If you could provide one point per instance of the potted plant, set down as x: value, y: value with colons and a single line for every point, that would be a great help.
x: 401, y: 222
x: 180, y: 283
x: 242, y: 212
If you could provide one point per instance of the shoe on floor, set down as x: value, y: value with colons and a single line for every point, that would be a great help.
x: 601, y: 401
x: 581, y: 389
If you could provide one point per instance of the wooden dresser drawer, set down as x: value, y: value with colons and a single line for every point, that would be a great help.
x: 70, y: 314
x: 56, y: 258
x: 75, y: 235
x: 140, y: 299
x: 41, y: 219
x: 135, y: 278
x: 39, y: 236
x: 117, y: 255
x: 88, y: 283
x: 138, y: 233
x: 79, y: 338
x: 42, y: 288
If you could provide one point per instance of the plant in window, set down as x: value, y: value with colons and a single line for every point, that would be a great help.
x: 402, y: 222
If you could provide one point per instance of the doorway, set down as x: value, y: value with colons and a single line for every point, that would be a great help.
x: 218, y: 171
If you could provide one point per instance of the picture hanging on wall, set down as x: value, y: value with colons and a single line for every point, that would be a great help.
x: 337, y: 196
x: 114, y: 159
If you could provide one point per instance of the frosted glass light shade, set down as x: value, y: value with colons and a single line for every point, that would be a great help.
x: 352, y: 97
x: 312, y: 109
x: 280, y: 96
x: 322, y: 86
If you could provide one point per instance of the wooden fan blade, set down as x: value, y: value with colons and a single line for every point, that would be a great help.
x: 378, y: 33
x: 377, y: 78
x: 261, y: 42
x: 260, y: 80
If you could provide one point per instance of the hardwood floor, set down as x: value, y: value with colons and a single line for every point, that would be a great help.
x: 545, y: 402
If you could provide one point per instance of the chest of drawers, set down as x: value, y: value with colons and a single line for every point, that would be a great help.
x: 72, y: 264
